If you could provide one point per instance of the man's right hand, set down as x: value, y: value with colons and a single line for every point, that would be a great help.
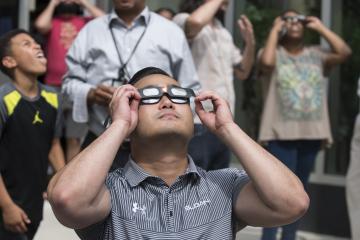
x: 100, y: 95
x: 124, y: 106
x: 15, y: 219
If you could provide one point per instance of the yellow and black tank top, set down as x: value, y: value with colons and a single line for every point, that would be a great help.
x: 27, y: 129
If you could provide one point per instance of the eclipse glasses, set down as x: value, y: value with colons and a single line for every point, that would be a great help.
x: 153, y: 94
x: 295, y: 19
x: 176, y: 94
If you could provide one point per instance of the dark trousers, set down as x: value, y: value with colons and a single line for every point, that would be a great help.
x: 299, y: 156
x: 121, y: 157
x: 7, y: 235
x: 207, y: 151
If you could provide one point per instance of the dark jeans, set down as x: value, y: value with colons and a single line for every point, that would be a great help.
x: 7, y: 235
x: 207, y: 151
x: 121, y: 157
x: 299, y: 156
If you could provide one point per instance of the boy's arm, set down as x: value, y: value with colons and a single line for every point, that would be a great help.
x: 274, y: 196
x: 56, y: 155
x: 14, y: 218
x: 77, y: 193
x: 43, y: 21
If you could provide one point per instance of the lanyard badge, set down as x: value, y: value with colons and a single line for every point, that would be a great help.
x: 123, y: 74
x: 122, y: 78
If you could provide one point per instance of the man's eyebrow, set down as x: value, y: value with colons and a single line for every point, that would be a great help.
x: 151, y: 86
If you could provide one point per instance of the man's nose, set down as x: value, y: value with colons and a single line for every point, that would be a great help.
x: 165, y: 102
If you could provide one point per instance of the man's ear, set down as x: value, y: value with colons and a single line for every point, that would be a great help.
x: 9, y: 62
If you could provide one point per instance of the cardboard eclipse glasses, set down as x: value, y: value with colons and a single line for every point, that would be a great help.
x: 295, y: 19
x: 176, y: 94
x: 153, y: 94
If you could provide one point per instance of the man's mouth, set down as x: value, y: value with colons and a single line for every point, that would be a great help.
x: 168, y: 115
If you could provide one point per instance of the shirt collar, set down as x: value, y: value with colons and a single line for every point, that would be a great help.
x: 134, y: 174
x: 217, y: 23
x: 143, y: 16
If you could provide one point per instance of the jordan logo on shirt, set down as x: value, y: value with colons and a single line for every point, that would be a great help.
x: 37, y: 118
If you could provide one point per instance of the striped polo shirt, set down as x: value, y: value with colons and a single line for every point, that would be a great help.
x: 199, y: 205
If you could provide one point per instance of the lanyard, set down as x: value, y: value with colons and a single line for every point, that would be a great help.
x: 123, y: 74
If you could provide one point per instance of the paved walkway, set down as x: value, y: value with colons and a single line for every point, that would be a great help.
x: 51, y: 229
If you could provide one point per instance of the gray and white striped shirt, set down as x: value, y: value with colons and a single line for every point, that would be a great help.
x: 199, y: 205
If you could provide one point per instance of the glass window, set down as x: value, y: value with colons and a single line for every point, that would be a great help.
x: 8, y: 15
x: 343, y: 99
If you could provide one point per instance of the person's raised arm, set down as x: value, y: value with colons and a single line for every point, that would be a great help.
x: 274, y: 196
x: 201, y: 17
x: 340, y: 50
x: 267, y: 59
x: 91, y: 8
x: 43, y: 21
x: 243, y: 69
x: 77, y: 193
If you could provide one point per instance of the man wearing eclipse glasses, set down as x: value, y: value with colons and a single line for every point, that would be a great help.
x: 160, y: 193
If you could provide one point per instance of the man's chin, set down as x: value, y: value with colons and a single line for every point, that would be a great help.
x: 125, y: 6
x: 171, y: 135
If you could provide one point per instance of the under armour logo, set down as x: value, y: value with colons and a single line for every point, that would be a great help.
x: 37, y: 118
x: 136, y: 208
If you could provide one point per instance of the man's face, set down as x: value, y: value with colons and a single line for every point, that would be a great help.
x: 128, y: 4
x: 165, y: 118
x: 27, y: 55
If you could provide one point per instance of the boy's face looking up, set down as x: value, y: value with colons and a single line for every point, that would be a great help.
x: 25, y: 55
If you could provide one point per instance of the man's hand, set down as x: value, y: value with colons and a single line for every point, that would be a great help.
x: 100, y: 95
x: 246, y: 30
x: 217, y: 119
x: 314, y: 23
x: 124, y: 106
x: 15, y: 219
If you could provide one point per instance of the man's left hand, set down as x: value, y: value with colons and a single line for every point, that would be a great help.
x: 219, y: 117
